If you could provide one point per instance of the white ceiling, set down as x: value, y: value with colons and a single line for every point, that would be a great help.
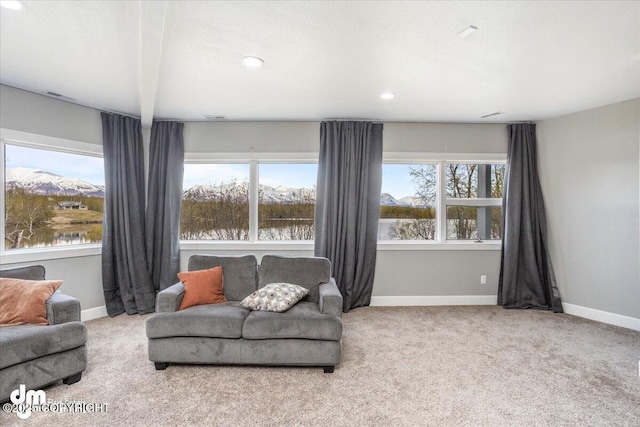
x: 181, y: 60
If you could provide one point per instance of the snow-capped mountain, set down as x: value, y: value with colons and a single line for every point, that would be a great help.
x: 387, y: 199
x: 281, y: 194
x: 41, y: 182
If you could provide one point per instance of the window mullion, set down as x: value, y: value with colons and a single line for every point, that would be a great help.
x: 253, y: 201
x: 2, y: 183
x: 441, y: 209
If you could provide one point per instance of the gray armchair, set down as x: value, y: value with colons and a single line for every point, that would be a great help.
x: 37, y: 355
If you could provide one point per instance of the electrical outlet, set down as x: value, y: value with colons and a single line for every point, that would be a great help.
x: 483, y: 280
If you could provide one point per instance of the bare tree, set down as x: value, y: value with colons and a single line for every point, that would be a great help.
x: 223, y: 215
x: 289, y: 221
x: 422, y: 224
x: 26, y: 214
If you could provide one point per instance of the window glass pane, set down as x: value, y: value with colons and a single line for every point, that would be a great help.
x: 468, y: 181
x: 474, y: 223
x: 287, y: 198
x: 408, y: 202
x: 215, y: 202
x: 52, y: 198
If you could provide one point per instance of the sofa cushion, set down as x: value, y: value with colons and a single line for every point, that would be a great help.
x: 278, y: 297
x: 223, y: 320
x: 202, y: 287
x: 308, y: 272
x: 303, y: 320
x: 25, y: 301
x: 27, y: 342
x: 240, y: 273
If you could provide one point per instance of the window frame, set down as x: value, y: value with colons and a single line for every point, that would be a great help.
x: 253, y: 159
x: 49, y: 143
x: 442, y: 201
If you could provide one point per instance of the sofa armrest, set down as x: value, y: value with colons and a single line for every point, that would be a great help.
x: 62, y: 308
x: 168, y: 300
x: 330, y: 298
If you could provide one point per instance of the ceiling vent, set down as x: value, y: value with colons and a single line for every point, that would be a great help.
x: 214, y: 117
x: 491, y: 114
x: 59, y: 96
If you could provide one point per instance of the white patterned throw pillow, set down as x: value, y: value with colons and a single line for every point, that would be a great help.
x: 276, y: 297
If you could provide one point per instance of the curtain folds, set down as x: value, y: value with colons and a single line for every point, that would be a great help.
x: 125, y: 276
x: 166, y: 160
x: 526, y: 274
x: 348, y: 205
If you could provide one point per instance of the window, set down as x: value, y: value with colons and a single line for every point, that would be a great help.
x: 222, y: 201
x: 408, y: 202
x: 474, y: 201
x: 51, y: 198
x: 215, y: 202
x: 287, y: 198
x: 441, y: 201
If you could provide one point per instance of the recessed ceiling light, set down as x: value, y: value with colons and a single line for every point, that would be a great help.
x: 387, y: 95
x: 12, y: 4
x: 491, y: 114
x: 464, y: 33
x: 252, y: 61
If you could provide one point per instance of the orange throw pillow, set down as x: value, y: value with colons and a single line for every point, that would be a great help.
x: 202, y: 287
x: 25, y: 301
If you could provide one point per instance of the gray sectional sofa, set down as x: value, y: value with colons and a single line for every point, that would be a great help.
x: 37, y: 355
x: 308, y: 334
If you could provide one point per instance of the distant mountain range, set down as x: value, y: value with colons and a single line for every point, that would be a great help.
x: 47, y: 183
x: 283, y: 195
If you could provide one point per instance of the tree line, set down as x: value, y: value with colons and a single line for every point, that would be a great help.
x: 28, y: 215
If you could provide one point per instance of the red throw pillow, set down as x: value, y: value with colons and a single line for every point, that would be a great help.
x: 25, y: 301
x: 202, y: 287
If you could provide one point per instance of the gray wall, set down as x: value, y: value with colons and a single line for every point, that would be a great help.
x: 589, y: 171
x: 300, y: 137
x: 399, y: 273
x: 30, y: 112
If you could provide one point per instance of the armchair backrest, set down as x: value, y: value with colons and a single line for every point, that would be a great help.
x: 308, y: 272
x: 240, y: 273
x: 34, y: 272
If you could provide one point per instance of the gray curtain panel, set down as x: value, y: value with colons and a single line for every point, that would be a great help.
x: 166, y: 169
x: 348, y: 205
x: 125, y: 275
x: 526, y: 274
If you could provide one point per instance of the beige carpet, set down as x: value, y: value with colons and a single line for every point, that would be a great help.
x: 475, y: 366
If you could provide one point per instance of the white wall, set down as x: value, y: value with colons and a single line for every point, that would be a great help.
x: 589, y: 171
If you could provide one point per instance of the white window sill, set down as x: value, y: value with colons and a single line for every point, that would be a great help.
x: 44, y: 254
x: 191, y: 245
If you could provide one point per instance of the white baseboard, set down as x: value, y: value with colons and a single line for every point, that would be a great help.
x: 435, y: 300
x: 93, y: 313
x: 602, y: 316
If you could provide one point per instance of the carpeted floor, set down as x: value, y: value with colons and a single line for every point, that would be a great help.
x: 415, y: 366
